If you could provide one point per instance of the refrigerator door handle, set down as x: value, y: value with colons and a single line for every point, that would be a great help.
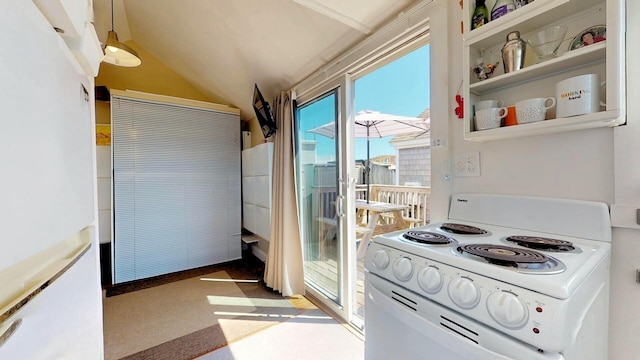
x: 10, y: 330
x: 52, y: 264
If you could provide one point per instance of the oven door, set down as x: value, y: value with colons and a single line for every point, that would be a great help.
x: 399, y: 324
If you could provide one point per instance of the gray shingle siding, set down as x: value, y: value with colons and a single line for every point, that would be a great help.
x: 414, y: 166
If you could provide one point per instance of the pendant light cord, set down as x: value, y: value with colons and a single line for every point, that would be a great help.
x: 111, y: 15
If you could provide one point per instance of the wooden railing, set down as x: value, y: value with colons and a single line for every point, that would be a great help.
x: 322, y: 212
x: 417, y: 198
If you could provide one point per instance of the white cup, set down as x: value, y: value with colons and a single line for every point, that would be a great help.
x: 532, y: 110
x: 579, y: 95
x: 488, y: 104
x: 490, y: 118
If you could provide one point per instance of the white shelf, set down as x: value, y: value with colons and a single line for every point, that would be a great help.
x: 588, y: 121
x: 530, y: 17
x: 570, y: 60
x: 250, y: 239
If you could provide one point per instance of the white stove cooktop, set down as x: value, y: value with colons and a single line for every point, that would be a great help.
x: 558, y: 282
x: 540, y: 308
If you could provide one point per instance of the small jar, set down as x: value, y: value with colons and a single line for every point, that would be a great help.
x: 502, y: 8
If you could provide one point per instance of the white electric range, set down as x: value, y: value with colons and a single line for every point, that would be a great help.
x: 504, y: 277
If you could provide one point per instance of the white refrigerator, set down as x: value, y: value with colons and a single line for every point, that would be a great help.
x: 50, y: 295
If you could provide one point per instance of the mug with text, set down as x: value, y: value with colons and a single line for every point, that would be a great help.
x: 579, y: 95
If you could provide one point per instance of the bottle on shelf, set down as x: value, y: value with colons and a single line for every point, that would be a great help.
x: 501, y: 8
x: 480, y: 15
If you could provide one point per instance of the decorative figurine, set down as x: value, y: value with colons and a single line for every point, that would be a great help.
x: 483, y: 71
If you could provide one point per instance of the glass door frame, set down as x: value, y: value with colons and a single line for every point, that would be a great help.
x: 345, y: 204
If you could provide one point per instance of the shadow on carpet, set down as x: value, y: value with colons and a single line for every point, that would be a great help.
x: 187, y: 314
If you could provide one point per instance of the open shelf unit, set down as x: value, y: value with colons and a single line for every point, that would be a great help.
x: 605, y: 58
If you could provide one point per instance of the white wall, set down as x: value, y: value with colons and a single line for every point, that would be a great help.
x: 103, y: 166
x: 625, y: 317
x: 576, y: 164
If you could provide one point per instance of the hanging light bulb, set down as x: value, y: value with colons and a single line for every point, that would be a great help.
x: 117, y: 53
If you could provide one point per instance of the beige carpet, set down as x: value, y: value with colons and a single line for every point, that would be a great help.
x: 187, y: 318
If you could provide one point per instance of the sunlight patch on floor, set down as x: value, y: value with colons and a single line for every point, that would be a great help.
x: 254, y: 315
x: 244, y: 301
x: 230, y: 280
x: 279, y: 316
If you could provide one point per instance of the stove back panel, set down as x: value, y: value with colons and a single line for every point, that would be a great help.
x: 575, y: 218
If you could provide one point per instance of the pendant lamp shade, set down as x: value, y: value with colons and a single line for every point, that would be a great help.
x: 117, y: 53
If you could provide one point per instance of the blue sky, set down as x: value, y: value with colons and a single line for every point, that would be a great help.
x: 400, y: 88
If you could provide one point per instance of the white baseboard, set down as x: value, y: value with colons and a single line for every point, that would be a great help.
x: 255, y: 250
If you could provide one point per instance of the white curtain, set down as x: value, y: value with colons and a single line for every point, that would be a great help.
x: 284, y: 269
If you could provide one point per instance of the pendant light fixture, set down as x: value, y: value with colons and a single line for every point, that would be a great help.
x: 117, y: 53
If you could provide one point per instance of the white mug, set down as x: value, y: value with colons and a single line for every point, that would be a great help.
x: 532, y: 110
x: 579, y: 95
x: 488, y: 104
x: 490, y: 118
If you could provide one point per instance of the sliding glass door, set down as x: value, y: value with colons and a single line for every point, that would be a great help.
x: 317, y: 166
x: 392, y: 79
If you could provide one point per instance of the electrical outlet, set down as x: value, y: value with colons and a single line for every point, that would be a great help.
x: 467, y: 164
x: 438, y: 143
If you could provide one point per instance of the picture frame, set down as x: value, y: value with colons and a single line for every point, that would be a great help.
x: 588, y: 36
x: 103, y: 135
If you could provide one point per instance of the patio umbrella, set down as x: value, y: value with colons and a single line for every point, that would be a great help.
x: 374, y: 124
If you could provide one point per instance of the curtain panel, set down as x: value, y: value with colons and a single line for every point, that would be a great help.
x: 284, y: 270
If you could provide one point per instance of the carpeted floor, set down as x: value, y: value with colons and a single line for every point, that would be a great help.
x: 185, y: 315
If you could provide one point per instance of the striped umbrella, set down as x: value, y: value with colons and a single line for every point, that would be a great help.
x: 374, y: 124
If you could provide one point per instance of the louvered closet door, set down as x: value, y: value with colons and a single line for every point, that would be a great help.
x: 176, y: 188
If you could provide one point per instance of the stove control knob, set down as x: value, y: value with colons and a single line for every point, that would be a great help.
x: 403, y: 268
x: 430, y: 280
x: 381, y: 259
x: 507, y: 310
x: 464, y: 292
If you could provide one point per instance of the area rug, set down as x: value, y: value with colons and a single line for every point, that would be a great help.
x: 186, y: 318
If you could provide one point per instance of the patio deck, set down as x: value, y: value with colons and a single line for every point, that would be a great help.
x: 321, y: 253
x: 325, y: 274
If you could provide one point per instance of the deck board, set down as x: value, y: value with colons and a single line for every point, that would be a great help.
x: 325, y: 274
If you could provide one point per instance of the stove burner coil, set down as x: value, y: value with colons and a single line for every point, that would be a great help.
x: 541, y: 243
x: 426, y: 237
x: 462, y: 229
x: 504, y: 255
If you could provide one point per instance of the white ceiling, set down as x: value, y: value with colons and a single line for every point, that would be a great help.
x: 223, y: 47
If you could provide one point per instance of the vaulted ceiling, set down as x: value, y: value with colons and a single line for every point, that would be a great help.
x: 223, y: 47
